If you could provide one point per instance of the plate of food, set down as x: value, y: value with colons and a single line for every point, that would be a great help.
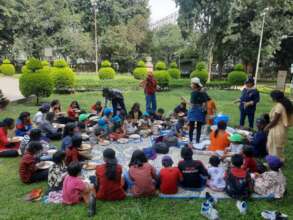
x: 104, y: 143
x: 94, y: 118
x: 184, y: 139
x: 243, y: 132
x: 134, y: 136
x: 51, y: 152
x: 17, y: 139
x: 122, y: 141
x: 90, y: 166
x: 85, y: 147
x: 85, y: 136
x: 43, y: 165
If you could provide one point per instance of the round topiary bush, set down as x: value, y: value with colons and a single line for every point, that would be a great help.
x: 106, y: 71
x: 160, y: 65
x: 7, y: 68
x: 63, y: 76
x: 140, y: 72
x: 174, y: 72
x: 237, y: 77
x: 35, y: 81
x: 200, y: 72
x: 46, y: 66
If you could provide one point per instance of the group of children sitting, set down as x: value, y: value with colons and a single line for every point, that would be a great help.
x: 232, y: 166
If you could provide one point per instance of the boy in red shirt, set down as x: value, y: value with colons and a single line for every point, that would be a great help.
x: 249, y: 163
x: 72, y: 153
x: 170, y: 177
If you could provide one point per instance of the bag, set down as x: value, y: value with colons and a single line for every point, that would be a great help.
x: 171, y: 141
x: 237, y: 187
x: 161, y: 148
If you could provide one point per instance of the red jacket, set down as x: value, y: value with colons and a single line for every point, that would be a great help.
x: 72, y: 154
x: 27, y: 167
x: 3, y: 139
x: 151, y: 85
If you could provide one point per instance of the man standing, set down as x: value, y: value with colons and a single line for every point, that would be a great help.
x: 150, y: 88
x: 117, y: 99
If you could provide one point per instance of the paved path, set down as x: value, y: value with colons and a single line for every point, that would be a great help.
x: 10, y: 88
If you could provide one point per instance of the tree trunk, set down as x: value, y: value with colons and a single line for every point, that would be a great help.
x: 210, y: 62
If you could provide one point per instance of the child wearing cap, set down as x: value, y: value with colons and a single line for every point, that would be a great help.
x: 236, y: 145
x: 216, y: 180
x: 170, y: 177
x: 271, y: 182
x: 117, y: 130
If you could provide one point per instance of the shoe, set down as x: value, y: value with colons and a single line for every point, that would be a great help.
x: 273, y: 215
x: 213, y: 201
x: 242, y: 207
x: 209, y: 212
x: 92, y: 206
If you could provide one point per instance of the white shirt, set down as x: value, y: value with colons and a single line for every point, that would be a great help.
x: 217, y: 177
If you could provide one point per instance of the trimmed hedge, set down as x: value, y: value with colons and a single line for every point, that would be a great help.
x: 163, y: 78
x: 63, y: 76
x: 35, y: 81
x: 140, y: 72
x: 160, y: 65
x: 106, y: 72
x: 174, y: 72
x: 237, y: 77
x: 200, y: 72
x: 7, y: 68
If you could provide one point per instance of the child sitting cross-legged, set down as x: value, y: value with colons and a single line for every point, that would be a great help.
x: 28, y: 169
x: 109, y: 180
x: 216, y: 180
x: 72, y: 153
x: 271, y: 182
x: 75, y: 190
x: 193, y: 171
x: 219, y: 138
x: 129, y: 125
x: 141, y: 177
x: 57, y: 172
x: 238, y: 183
x: 170, y: 177
x: 249, y: 162
x: 117, y: 130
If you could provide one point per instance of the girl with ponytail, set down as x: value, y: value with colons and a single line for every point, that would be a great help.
x: 219, y: 138
x: 109, y: 180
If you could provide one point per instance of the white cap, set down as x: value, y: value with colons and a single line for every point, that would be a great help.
x: 196, y: 80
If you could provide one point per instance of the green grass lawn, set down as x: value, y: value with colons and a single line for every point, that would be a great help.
x: 12, y: 191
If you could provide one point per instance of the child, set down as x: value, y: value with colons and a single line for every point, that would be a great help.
x: 23, y: 124
x: 170, y: 177
x: 41, y: 114
x: 129, y: 126
x: 217, y: 174
x: 75, y: 190
x: 249, y: 162
x: 135, y: 112
x: 145, y: 122
x: 179, y: 126
x: 97, y: 108
x: 181, y: 108
x: 259, y: 139
x: 8, y: 146
x: 193, y: 171
x: 118, y: 131
x: 219, y: 138
x: 49, y: 130
x: 72, y: 153
x: 73, y: 111
x: 68, y: 133
x: 236, y: 145
x: 108, y: 114
x: 159, y: 115
x: 271, y: 182
x: 211, y: 111
x: 57, y: 172
x: 142, y: 176
x: 238, y: 183
x: 28, y: 171
x: 109, y: 179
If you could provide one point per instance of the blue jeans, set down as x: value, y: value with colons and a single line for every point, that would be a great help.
x: 250, y: 116
x: 151, y: 103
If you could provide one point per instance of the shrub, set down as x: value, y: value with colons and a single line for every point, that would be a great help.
x: 106, y: 72
x: 160, y: 65
x: 35, y: 81
x: 200, y: 72
x: 63, y: 76
x: 46, y: 66
x: 24, y: 68
x: 174, y: 72
x: 140, y: 72
x: 237, y: 77
x: 163, y: 78
x: 7, y: 68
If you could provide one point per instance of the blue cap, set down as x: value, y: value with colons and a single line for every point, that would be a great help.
x: 108, y: 111
x: 116, y: 119
x: 102, y: 122
x: 146, y: 114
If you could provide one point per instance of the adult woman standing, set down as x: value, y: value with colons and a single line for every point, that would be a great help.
x: 248, y: 100
x: 281, y: 117
x: 197, y: 110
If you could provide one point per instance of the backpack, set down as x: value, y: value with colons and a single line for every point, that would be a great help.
x: 161, y: 148
x: 237, y: 187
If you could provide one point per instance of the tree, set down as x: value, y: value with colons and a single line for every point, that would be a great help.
x: 167, y: 41
x: 210, y: 17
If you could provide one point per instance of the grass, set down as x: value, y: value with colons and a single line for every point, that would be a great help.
x: 12, y: 191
